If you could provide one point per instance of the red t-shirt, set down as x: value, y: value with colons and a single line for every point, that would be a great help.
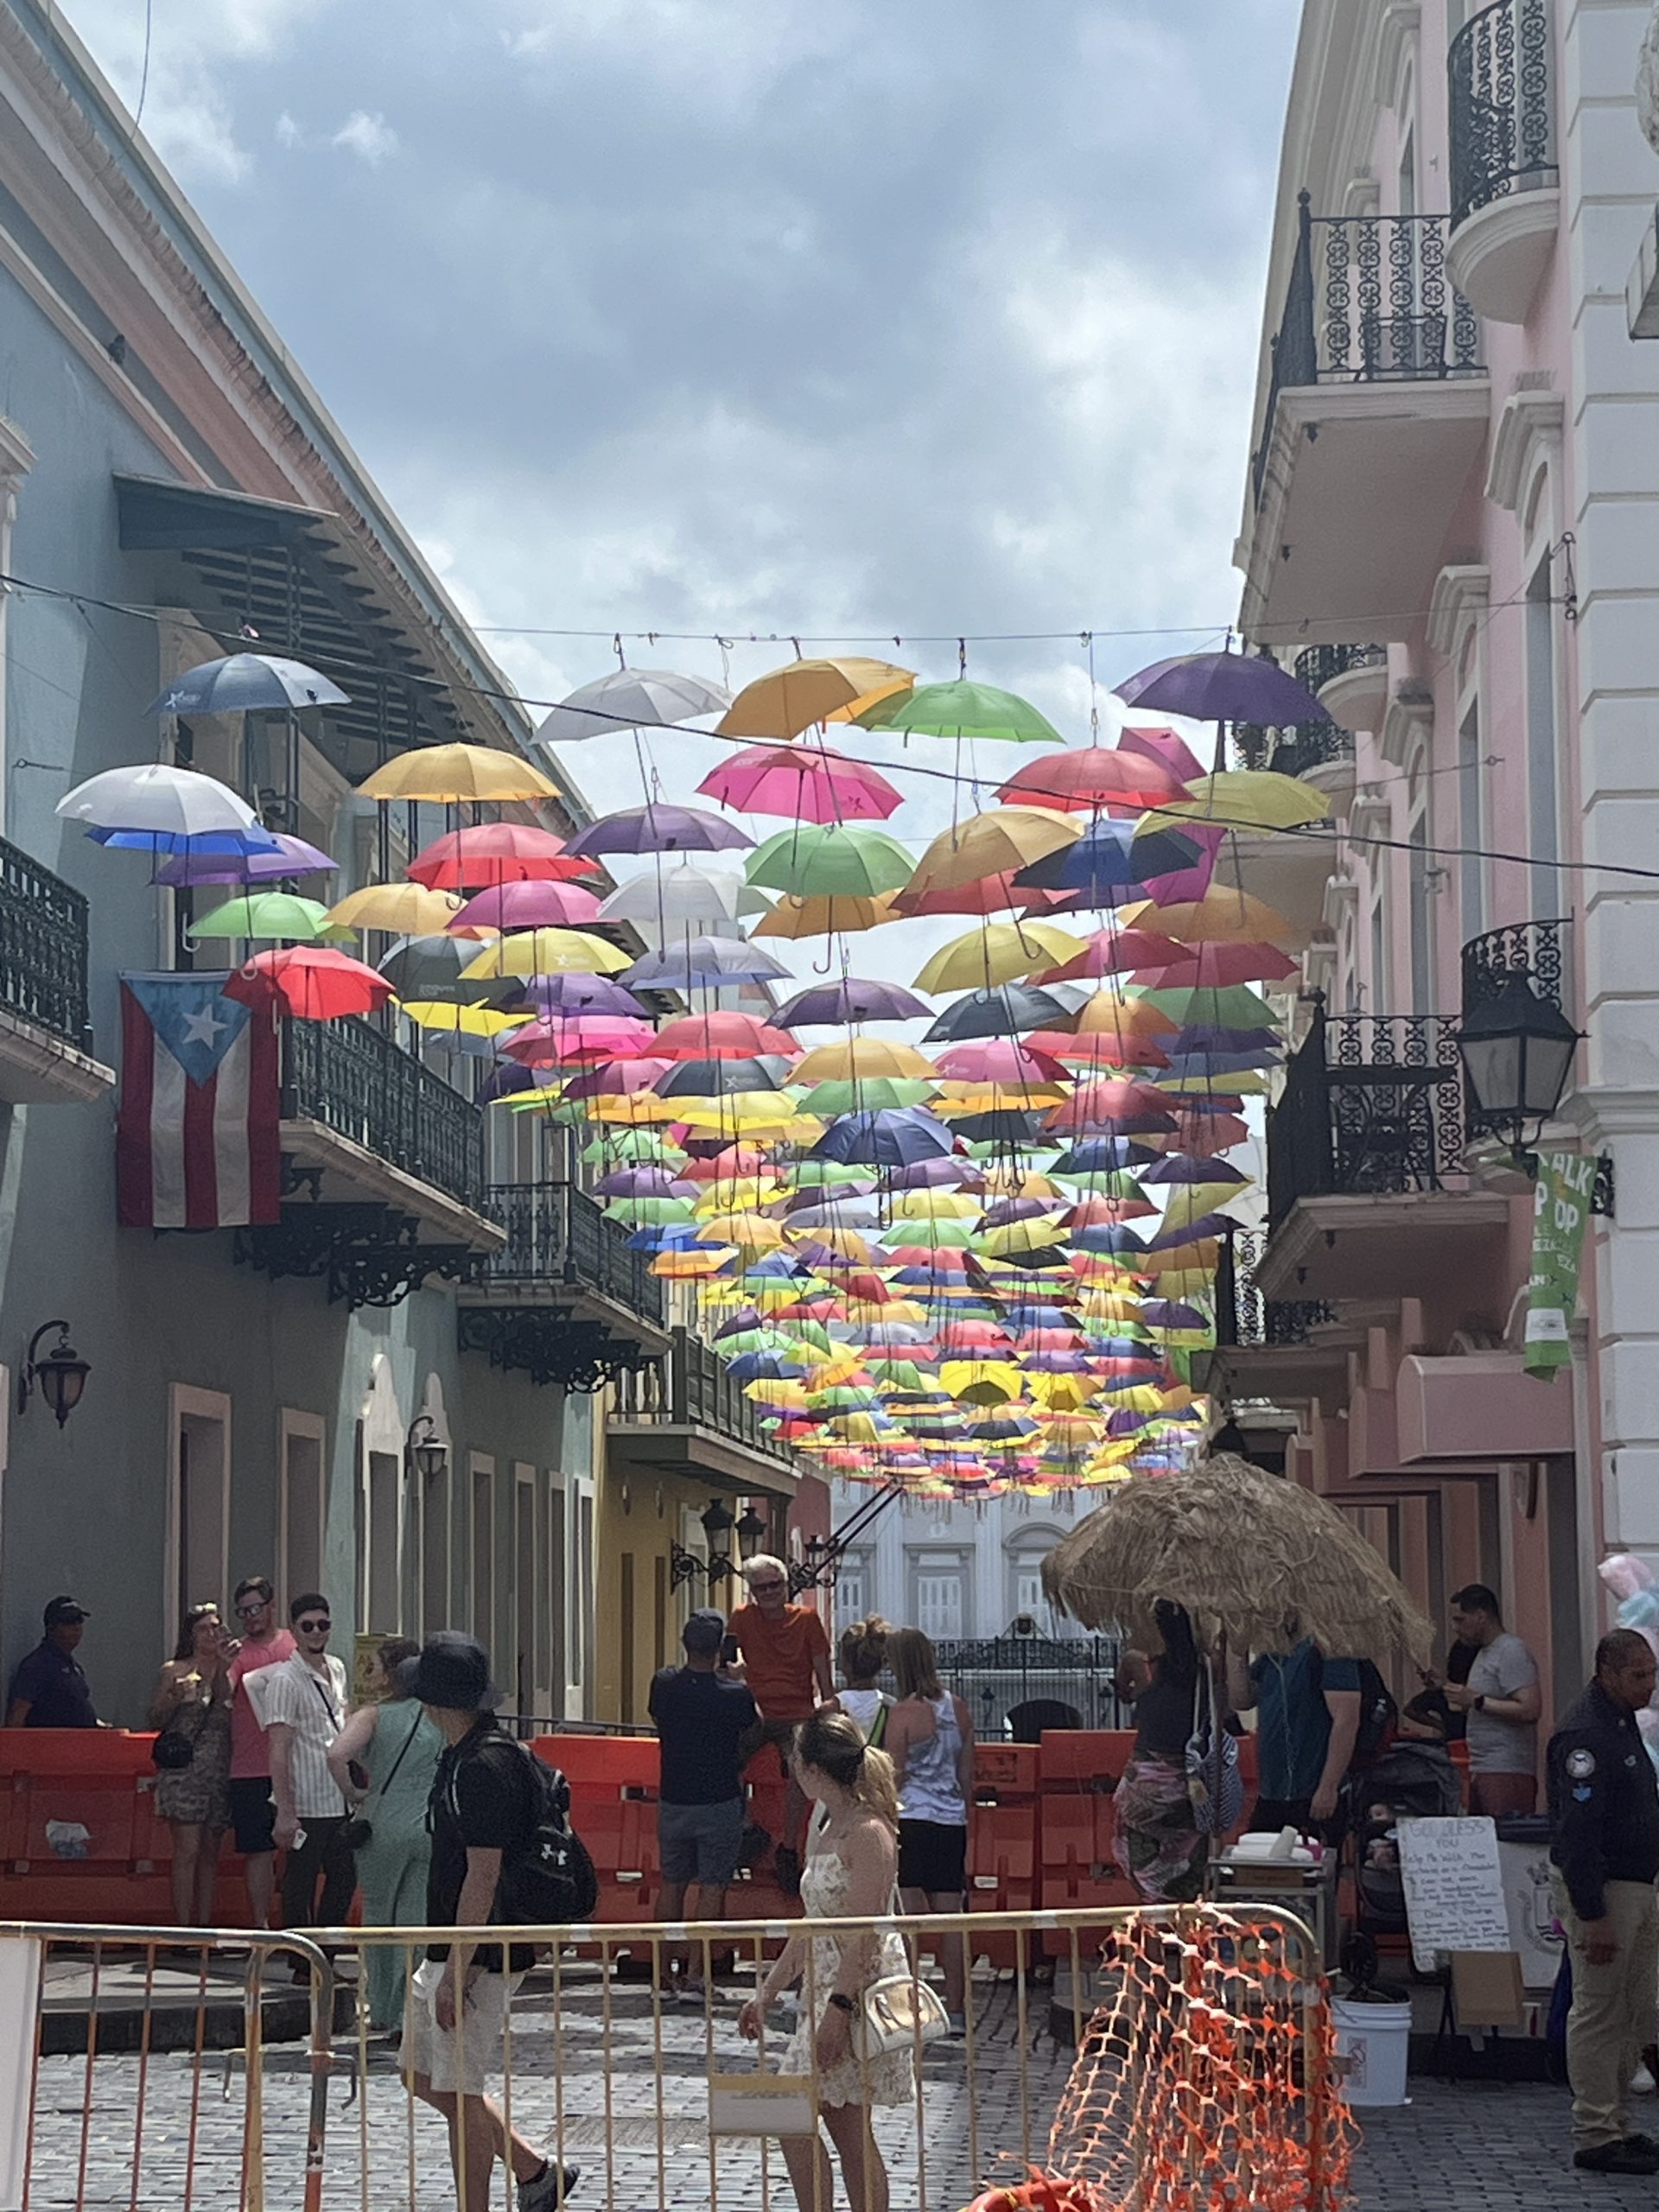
x: 777, y: 1659
x: 249, y: 1754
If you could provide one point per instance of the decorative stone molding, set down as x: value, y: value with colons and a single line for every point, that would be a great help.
x: 1462, y: 594
x: 1396, y: 42
x: 1409, y: 719
x: 1531, y: 426
x: 1646, y: 83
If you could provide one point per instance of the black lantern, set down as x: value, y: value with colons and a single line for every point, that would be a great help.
x: 1517, y: 1053
x: 750, y: 1527
x: 59, y: 1376
x: 424, y: 1449
x: 718, y: 1523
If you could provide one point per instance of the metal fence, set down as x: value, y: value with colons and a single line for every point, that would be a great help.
x: 1502, y: 109
x: 357, y: 1082
x: 43, y: 948
x: 1146, y: 2054
x: 557, y: 1233
x: 1016, y: 1685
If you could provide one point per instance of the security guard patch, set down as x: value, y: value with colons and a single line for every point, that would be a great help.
x: 1581, y: 1764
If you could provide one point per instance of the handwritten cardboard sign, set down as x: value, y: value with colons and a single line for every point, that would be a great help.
x: 1454, y: 1888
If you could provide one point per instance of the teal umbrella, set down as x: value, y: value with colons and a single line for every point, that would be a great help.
x: 963, y: 709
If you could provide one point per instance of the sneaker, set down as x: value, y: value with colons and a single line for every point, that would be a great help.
x: 957, y: 2026
x: 550, y: 2187
x: 1631, y: 2156
x: 1643, y: 2083
x: 786, y: 1870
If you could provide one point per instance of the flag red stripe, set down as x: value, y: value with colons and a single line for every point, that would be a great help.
x: 134, y: 1193
x: 200, y: 1167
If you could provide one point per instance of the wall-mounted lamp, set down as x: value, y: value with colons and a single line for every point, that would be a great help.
x: 424, y: 1449
x: 59, y: 1376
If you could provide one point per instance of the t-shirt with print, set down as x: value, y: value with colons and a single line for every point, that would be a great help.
x: 1292, y: 1721
x: 250, y: 1750
x: 1503, y: 1668
x: 777, y: 1659
x: 482, y: 1801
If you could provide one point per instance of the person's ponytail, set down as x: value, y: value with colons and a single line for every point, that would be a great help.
x: 877, y: 1786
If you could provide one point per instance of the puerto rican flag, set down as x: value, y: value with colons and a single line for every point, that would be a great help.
x: 197, y: 1138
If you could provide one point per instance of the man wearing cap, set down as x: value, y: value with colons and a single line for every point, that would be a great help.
x: 482, y: 1808
x: 48, y: 1689
x: 702, y: 1717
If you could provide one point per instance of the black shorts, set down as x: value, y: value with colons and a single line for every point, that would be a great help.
x: 933, y: 1858
x: 253, y: 1814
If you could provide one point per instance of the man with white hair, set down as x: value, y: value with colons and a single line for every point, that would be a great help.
x: 784, y: 1651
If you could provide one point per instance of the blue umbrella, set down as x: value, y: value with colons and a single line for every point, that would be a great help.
x: 247, y: 683
x: 186, y: 841
x: 822, y: 1004
x: 764, y: 1367
x: 1102, y: 866
x: 889, y: 1137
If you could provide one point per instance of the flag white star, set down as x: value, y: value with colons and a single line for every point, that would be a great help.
x: 203, y: 1027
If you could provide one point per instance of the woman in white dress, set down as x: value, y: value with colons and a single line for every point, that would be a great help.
x: 850, y: 1876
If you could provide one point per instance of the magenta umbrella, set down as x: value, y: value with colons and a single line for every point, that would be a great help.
x: 529, y: 906
x: 292, y: 856
x: 571, y: 1044
x: 804, y: 783
x: 1163, y: 745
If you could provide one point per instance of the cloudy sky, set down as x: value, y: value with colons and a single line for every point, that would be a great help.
x: 840, y: 321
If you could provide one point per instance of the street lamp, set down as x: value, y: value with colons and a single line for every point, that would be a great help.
x: 424, y: 1449
x: 1517, y: 1051
x: 59, y: 1376
x: 750, y: 1528
x: 718, y: 1521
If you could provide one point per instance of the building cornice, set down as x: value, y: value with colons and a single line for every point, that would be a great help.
x: 1410, y: 717
x: 1532, y: 423
x: 1462, y: 594
x: 16, y: 454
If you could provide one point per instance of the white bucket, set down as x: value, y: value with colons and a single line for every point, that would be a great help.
x: 1372, y: 2042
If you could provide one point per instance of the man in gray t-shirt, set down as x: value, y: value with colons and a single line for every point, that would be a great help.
x: 1503, y: 1701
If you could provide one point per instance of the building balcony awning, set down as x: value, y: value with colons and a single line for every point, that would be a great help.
x: 1394, y: 1244
x: 1483, y: 1405
x: 689, y: 1416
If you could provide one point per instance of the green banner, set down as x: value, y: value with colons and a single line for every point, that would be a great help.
x: 1564, y: 1182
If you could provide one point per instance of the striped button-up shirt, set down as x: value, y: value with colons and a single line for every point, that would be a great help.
x: 315, y: 1709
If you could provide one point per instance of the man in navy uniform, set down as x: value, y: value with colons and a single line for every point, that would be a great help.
x: 1603, y: 1812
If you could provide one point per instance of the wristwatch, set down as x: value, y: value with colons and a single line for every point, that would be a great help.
x: 841, y: 2003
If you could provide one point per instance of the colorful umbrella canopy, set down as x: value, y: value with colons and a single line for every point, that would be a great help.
x: 526, y: 905
x: 1223, y: 688
x: 630, y: 698
x: 156, y: 802
x: 1001, y: 843
x: 265, y: 914
x: 1082, y: 782
x: 807, y: 783
x: 814, y: 860
x: 548, y: 952
x: 287, y: 856
x: 310, y: 982
x: 963, y: 709
x: 1002, y: 952
x: 491, y: 853
x: 851, y: 1000
x: 795, y: 918
x: 658, y: 829
x: 247, y: 683
x: 401, y: 909
x: 791, y: 699
x: 454, y: 773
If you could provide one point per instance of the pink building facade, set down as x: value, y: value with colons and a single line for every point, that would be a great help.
x: 1451, y: 528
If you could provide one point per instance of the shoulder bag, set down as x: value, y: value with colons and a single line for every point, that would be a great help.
x: 360, y: 1831
x: 897, y: 2013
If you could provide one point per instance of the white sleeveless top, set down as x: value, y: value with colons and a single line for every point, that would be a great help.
x: 931, y: 1791
x: 861, y: 1707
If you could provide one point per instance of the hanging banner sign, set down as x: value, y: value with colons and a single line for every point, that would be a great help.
x: 1564, y: 1182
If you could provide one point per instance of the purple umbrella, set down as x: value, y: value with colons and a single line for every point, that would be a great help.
x: 852, y: 1000
x: 1223, y: 688
x: 1191, y: 1232
x: 951, y: 1172
x: 657, y: 829
x: 648, y: 1181
x: 1171, y: 1314
x: 573, y: 994
x: 1185, y: 1167
x: 292, y: 856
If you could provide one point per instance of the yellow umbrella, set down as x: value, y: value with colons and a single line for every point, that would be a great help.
x: 1129, y: 1022
x: 1185, y: 1282
x: 999, y: 952
x: 999, y: 843
x: 964, y: 1098
x: 749, y: 1232
x: 795, y: 916
x: 744, y: 1112
x: 451, y: 773
x: 981, y: 1382
x: 788, y: 700
x: 1022, y: 1182
x: 784, y: 1396
x: 899, y: 686
x: 1222, y: 916
x: 741, y: 1194
x: 403, y: 909
x: 1243, y: 1082
x: 853, y: 1059
x: 1244, y: 798
x: 461, y: 1021
x: 846, y: 1242
x: 896, y: 1309
x: 1190, y: 1202
x: 1034, y: 1234
x: 633, y: 1109
x: 548, y: 952
x: 689, y: 1264
x: 1180, y: 1259
x: 1063, y: 1393
x: 933, y: 1206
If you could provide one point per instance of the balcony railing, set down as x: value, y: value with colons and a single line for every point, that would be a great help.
x: 354, y: 1080
x: 693, y: 1388
x: 1298, y: 747
x: 1243, y: 1317
x: 1367, y: 301
x: 1502, y: 121
x: 42, y: 948
x: 556, y: 1233
x: 1371, y: 1103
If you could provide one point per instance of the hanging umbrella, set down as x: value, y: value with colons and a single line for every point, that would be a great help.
x: 711, y: 960
x: 287, y: 856
x: 1080, y: 781
x: 1265, y: 1561
x: 1223, y: 688
x: 999, y: 1060
x: 1239, y: 798
x: 716, y: 1079
x: 827, y: 1099
x: 728, y: 1034
x: 247, y: 683
x: 1110, y: 863
x: 547, y: 952
x: 885, y: 1139
x: 683, y: 893
x: 795, y: 918
x: 1001, y: 843
x: 1003, y: 1012
x: 159, y: 805
x: 788, y: 700
x: 855, y: 1058
x: 404, y: 909
x: 572, y: 995
x: 490, y: 853
x: 1001, y: 953
x: 1213, y: 966
x: 963, y: 709
x: 991, y: 894
x: 1222, y: 916
x: 453, y: 774
x: 631, y: 698
x: 526, y: 906
x: 1163, y: 747
x: 658, y: 829
x: 310, y: 982
x: 451, y: 1019
x: 829, y: 859
x: 852, y: 1000
x: 1118, y: 952
x: 265, y: 914
x: 807, y: 783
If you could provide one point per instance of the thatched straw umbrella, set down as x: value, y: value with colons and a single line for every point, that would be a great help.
x: 1251, y: 1556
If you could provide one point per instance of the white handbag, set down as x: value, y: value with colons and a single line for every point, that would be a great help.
x: 896, y: 2013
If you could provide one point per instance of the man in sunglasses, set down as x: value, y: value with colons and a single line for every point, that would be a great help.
x: 784, y: 1651
x: 262, y: 1644
x: 307, y: 1711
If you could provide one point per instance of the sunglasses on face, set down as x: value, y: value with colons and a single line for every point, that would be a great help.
x: 314, y: 1628
x: 258, y: 1605
x: 765, y: 1589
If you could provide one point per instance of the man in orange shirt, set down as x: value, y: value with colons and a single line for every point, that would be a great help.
x: 784, y: 1655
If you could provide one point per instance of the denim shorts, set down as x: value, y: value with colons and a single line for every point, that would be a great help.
x: 700, y: 1843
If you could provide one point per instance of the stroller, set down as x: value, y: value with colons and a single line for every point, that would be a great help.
x: 1410, y: 1780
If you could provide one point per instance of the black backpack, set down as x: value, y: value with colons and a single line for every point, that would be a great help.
x: 548, y: 1880
x: 1379, y: 1717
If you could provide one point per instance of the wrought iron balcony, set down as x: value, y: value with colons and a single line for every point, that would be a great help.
x: 1371, y: 1103
x: 1318, y: 665
x: 42, y: 950
x: 353, y: 1079
x: 1293, y: 750
x: 1368, y: 302
x: 1502, y: 123
x: 694, y: 1387
x: 556, y: 1233
x: 1243, y: 1317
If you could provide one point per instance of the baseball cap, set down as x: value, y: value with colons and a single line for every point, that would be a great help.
x: 62, y: 1610
x: 453, y: 1671
x: 704, y: 1631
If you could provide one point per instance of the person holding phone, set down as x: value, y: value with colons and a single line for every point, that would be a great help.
x: 308, y: 1706
x: 192, y: 1702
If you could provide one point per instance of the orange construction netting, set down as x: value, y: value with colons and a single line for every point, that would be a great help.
x: 1204, y: 2082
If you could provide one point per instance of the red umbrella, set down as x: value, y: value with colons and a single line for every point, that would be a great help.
x: 724, y: 1036
x: 1126, y: 1108
x: 1159, y: 744
x: 1214, y: 966
x: 312, y: 982
x: 1114, y: 952
x: 1075, y: 783
x: 1001, y: 1059
x: 991, y: 894
x: 540, y: 1045
x: 734, y: 1163
x: 1107, y: 1213
x: 496, y: 852
x: 525, y: 904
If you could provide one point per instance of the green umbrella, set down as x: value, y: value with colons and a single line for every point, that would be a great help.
x: 631, y: 1147
x: 957, y: 1235
x: 774, y: 1341
x: 869, y: 1096
x: 818, y: 1173
x: 1234, y: 1008
x: 896, y: 1374
x: 963, y: 709
x: 652, y: 1211
x: 265, y: 914
x: 831, y: 860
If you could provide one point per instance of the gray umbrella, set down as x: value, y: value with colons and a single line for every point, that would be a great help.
x: 247, y: 683
x: 430, y: 968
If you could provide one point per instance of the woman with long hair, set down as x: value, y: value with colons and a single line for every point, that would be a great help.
x: 849, y: 1877
x: 191, y: 1703
x: 1157, y: 1840
x: 931, y: 1737
x: 861, y: 1650
x: 385, y: 1759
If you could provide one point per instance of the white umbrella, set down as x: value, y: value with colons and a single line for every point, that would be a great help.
x: 160, y: 801
x: 631, y: 698
x: 685, y: 893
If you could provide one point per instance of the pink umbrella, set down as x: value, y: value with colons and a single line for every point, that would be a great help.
x: 531, y: 904
x: 806, y: 783
x: 557, y: 1044
x: 1162, y: 745
x: 619, y: 1079
x: 1000, y: 1059
x: 1205, y: 967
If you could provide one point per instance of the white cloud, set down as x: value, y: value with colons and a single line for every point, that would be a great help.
x: 371, y: 138
x: 288, y: 131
